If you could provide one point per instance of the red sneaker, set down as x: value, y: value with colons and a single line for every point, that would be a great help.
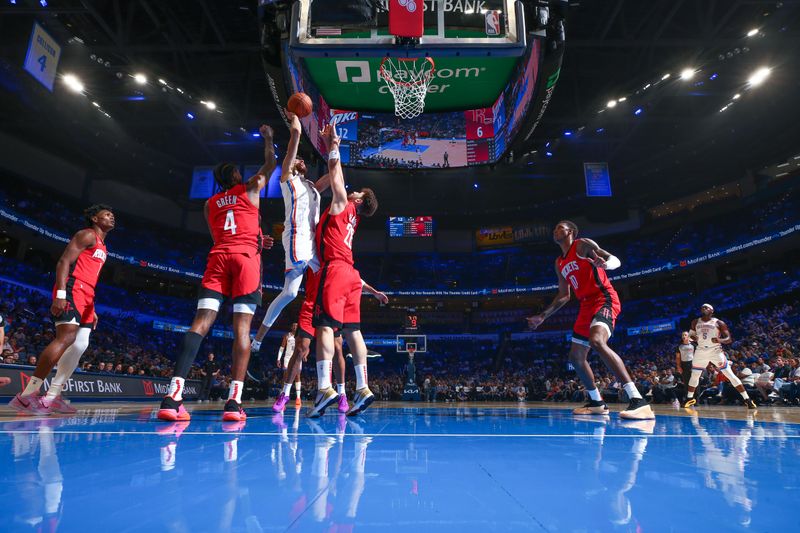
x: 172, y: 410
x: 233, y: 412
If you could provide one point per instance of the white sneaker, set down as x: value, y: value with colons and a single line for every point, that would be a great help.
x: 324, y: 399
x: 361, y: 401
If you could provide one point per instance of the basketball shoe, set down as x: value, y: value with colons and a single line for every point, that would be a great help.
x: 343, y: 405
x: 324, y: 399
x: 280, y: 403
x: 593, y: 407
x: 361, y: 401
x: 638, y: 409
x: 233, y: 412
x: 172, y: 410
x: 58, y: 405
x: 691, y: 402
x: 31, y: 405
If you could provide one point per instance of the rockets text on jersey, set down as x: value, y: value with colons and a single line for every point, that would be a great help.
x: 90, y: 262
x: 335, y: 234
x: 234, y: 221
x: 587, y: 281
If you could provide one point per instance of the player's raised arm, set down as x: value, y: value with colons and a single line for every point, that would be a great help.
x: 369, y: 289
x: 338, y: 189
x: 323, y: 183
x: 80, y: 241
x: 295, y: 129
x: 724, y: 334
x: 588, y: 249
x: 259, y: 181
x: 561, y: 299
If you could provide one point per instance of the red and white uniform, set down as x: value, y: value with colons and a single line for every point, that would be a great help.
x: 305, y: 321
x: 81, y: 283
x: 338, y: 302
x: 234, y: 262
x: 599, y: 303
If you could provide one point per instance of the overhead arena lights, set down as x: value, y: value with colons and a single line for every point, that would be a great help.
x: 753, y: 32
x: 611, y: 104
x: 209, y: 104
x: 758, y: 77
x: 687, y: 74
x: 140, y: 78
x: 73, y: 83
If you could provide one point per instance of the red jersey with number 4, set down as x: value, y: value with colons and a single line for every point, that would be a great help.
x: 90, y: 262
x: 587, y: 281
x: 235, y: 222
x: 335, y: 233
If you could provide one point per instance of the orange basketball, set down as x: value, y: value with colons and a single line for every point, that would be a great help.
x: 300, y: 104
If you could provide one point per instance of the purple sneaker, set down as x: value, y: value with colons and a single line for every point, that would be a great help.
x: 58, y: 405
x: 280, y: 403
x: 31, y: 405
x: 343, y: 405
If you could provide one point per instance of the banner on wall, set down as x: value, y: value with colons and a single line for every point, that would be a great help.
x: 103, y: 386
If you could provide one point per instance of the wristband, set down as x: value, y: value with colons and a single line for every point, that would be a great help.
x: 333, y: 155
x: 61, y: 294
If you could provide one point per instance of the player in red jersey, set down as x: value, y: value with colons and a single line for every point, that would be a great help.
x: 73, y: 313
x: 581, y: 268
x: 338, y: 302
x: 233, y: 271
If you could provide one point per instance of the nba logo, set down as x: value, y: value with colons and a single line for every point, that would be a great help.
x: 492, y: 23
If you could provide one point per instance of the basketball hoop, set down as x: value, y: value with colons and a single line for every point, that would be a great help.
x: 408, y: 80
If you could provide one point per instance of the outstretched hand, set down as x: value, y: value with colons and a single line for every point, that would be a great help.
x: 535, y: 321
x: 266, y: 132
x: 294, y: 122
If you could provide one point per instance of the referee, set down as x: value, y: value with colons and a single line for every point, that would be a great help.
x: 683, y: 359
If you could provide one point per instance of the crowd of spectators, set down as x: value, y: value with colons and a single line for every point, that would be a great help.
x: 518, y: 266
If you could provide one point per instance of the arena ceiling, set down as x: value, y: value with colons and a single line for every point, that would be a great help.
x: 679, y: 142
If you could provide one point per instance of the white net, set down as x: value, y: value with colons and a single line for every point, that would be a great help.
x: 408, y: 81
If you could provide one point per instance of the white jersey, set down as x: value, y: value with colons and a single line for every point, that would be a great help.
x: 288, y: 350
x: 686, y: 351
x: 301, y: 204
x: 705, y: 332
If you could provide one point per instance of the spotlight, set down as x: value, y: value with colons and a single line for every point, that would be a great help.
x: 713, y: 76
x: 737, y: 96
x: 665, y: 76
x: 620, y: 100
x: 687, y: 74
x: 567, y: 133
x: 140, y: 78
x: 210, y: 105
x: 758, y: 77
x: 162, y: 81
x: 549, y: 154
x: 255, y: 134
x: 95, y: 104
x: 638, y: 111
x: 611, y: 103
x: 600, y: 130
x: 474, y: 185
x: 43, y: 3
x: 190, y: 116
x: 752, y: 32
x: 73, y: 83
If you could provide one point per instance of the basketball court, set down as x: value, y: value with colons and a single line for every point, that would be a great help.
x: 423, y: 467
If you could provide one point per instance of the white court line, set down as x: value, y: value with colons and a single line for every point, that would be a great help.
x: 406, y: 435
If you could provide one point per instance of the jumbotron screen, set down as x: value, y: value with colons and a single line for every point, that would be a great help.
x: 410, y: 226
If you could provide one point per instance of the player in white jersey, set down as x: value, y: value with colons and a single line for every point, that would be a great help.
x: 285, y: 355
x: 710, y: 333
x: 301, y: 204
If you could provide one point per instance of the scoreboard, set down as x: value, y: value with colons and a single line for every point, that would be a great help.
x: 410, y: 226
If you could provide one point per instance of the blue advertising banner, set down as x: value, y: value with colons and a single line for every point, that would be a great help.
x: 598, y: 180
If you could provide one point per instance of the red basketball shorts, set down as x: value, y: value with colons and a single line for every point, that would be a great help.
x: 305, y: 325
x: 80, y: 304
x: 338, y: 302
x: 601, y: 311
x: 232, y: 275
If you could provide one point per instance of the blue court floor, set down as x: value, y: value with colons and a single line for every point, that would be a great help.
x: 397, y: 469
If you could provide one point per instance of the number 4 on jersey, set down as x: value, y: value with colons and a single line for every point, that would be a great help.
x: 230, y: 223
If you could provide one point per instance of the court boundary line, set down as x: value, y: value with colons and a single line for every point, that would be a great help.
x: 405, y: 435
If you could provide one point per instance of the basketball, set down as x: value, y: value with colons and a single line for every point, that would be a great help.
x: 300, y: 104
